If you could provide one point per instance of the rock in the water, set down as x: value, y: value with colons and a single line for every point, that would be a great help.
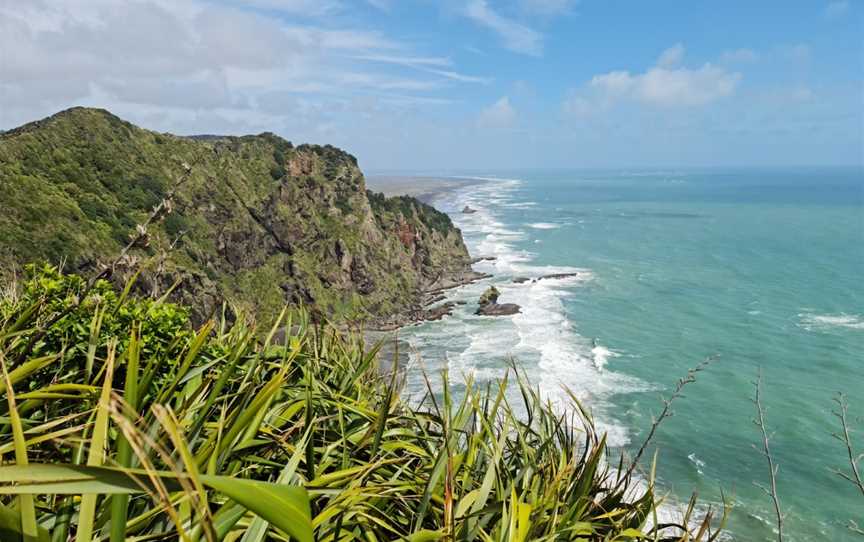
x: 439, y: 312
x: 489, y: 305
x: 490, y: 296
x: 468, y: 210
x: 496, y: 309
x: 520, y: 280
x: 483, y: 259
x: 559, y: 276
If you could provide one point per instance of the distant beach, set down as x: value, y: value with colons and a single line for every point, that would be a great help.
x: 423, y: 188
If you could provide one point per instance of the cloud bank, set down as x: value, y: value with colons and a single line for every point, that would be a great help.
x: 667, y: 84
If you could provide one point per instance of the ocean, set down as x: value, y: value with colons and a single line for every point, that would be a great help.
x: 763, y: 268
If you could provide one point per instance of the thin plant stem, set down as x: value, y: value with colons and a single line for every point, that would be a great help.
x: 771, y: 491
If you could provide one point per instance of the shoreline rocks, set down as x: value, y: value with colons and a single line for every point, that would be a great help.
x: 439, y: 312
x: 433, y: 293
x: 559, y: 276
x: 489, y: 305
x: 499, y: 309
x: 552, y: 276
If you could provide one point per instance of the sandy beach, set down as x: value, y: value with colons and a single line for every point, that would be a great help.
x: 423, y: 188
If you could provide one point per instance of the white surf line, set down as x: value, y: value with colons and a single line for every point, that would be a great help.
x: 563, y: 358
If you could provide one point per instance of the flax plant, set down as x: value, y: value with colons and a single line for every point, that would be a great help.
x: 122, y: 422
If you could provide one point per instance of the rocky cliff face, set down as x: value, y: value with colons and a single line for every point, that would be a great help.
x: 257, y: 223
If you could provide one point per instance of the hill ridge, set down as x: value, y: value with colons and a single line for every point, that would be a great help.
x: 259, y: 223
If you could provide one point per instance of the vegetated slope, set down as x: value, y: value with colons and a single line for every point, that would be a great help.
x: 258, y: 222
x: 304, y: 436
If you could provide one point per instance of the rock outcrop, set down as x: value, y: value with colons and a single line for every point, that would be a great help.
x: 552, y: 276
x: 489, y: 306
x: 256, y: 223
x: 559, y: 276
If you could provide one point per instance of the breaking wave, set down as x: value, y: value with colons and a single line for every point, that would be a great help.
x: 822, y: 322
x: 542, y: 338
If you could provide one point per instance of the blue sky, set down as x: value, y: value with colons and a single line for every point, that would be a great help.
x: 460, y: 84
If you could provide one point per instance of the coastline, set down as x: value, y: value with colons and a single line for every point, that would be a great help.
x: 424, y: 188
x: 429, y: 308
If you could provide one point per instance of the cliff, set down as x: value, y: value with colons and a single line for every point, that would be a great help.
x: 257, y: 222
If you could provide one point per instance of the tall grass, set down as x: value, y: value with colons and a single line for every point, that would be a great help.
x: 121, y: 422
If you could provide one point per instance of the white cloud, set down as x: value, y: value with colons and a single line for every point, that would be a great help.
x: 461, y: 77
x: 674, y: 87
x: 308, y: 8
x: 836, y: 10
x: 614, y: 84
x: 352, y: 40
x: 672, y: 56
x: 433, y: 65
x: 413, y: 61
x: 547, y: 7
x: 499, y: 115
x: 516, y: 36
x: 666, y: 85
x: 168, y: 61
x: 739, y: 56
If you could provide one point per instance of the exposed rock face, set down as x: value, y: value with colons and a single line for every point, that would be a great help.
x: 260, y: 222
x: 489, y: 305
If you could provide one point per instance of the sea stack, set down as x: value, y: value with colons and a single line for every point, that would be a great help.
x: 489, y: 305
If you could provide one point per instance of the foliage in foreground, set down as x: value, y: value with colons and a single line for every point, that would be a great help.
x: 175, y: 434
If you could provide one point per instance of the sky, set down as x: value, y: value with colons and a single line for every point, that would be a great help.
x: 446, y: 85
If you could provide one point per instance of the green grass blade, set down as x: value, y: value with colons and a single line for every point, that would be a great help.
x: 258, y: 529
x: 29, y: 530
x: 120, y: 503
x: 10, y: 527
x: 96, y: 456
x: 285, y: 507
x: 26, y: 369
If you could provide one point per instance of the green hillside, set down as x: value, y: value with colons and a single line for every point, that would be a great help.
x: 257, y: 222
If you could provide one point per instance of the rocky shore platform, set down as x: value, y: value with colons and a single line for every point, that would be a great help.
x: 429, y: 309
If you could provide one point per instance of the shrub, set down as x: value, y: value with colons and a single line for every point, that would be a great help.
x: 219, y: 435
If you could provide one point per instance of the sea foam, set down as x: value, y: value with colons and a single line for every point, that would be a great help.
x: 542, y: 338
x: 821, y: 322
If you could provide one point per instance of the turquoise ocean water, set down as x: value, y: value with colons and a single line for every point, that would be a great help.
x: 762, y: 267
